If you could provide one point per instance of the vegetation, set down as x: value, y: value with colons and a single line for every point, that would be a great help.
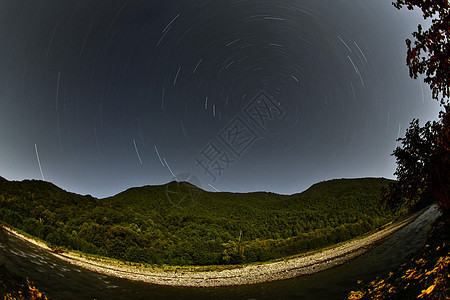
x: 14, y: 287
x: 430, y: 53
x: 423, y: 166
x: 203, y: 228
x: 424, y: 275
x: 423, y: 160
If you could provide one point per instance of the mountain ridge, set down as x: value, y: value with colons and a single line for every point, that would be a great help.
x: 165, y: 185
x: 181, y: 224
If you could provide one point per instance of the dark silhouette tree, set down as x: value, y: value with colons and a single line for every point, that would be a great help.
x: 423, y: 160
x: 429, y: 54
x: 422, y: 165
x: 440, y: 177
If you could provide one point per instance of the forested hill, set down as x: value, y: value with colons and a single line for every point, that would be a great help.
x: 181, y: 224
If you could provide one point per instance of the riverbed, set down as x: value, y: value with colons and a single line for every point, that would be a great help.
x: 62, y: 280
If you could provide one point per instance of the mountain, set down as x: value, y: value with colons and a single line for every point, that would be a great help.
x: 180, y: 224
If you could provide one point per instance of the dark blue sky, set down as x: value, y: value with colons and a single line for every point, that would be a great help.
x: 240, y: 95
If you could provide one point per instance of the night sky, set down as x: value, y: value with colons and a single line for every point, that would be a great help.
x: 236, y: 95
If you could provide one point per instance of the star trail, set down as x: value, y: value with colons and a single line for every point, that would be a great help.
x: 240, y: 95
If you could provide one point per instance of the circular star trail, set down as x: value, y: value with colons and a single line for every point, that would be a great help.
x: 100, y: 96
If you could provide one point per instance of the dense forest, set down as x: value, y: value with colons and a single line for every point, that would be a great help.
x: 180, y: 224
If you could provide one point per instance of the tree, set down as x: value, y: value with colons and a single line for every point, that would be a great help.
x: 430, y: 53
x: 423, y: 164
x: 423, y: 160
x: 441, y: 171
x: 415, y: 162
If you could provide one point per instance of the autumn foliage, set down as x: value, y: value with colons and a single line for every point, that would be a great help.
x: 423, y: 160
x: 429, y: 53
x: 424, y: 276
